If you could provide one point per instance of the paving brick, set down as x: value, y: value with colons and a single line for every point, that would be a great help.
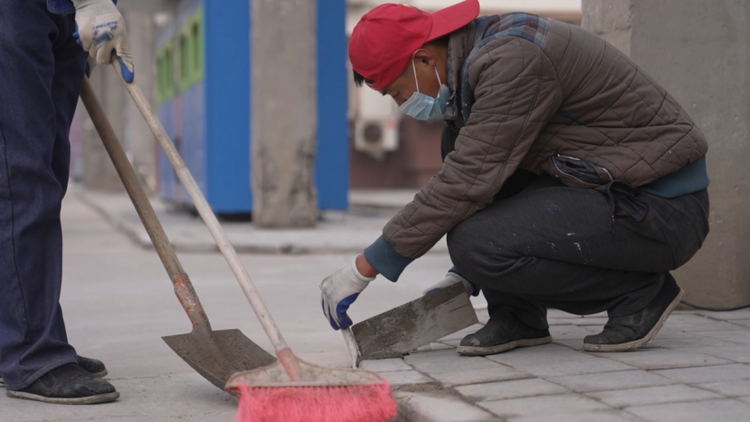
x: 510, y: 389
x: 707, y: 374
x: 746, y: 399
x: 575, y: 344
x: 440, y: 407
x: 694, y: 322
x: 735, y: 336
x: 572, y: 332
x: 735, y: 353
x: 652, y: 395
x: 400, y: 378
x: 658, y: 358
x: 552, y: 360
x: 610, y: 381
x: 726, y: 410
x: 689, y: 341
x: 452, y: 369
x: 742, y: 322
x: 729, y: 388
x: 549, y: 406
x: 598, y: 416
x: 385, y: 365
x: 670, y: 331
x: 727, y: 316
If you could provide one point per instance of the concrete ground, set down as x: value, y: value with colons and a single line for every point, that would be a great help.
x: 118, y: 302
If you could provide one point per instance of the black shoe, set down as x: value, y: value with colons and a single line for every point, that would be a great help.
x: 96, y: 367
x: 502, y: 333
x: 635, y: 330
x: 68, y: 384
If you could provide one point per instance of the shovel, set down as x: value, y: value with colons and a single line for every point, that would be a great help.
x: 216, y: 355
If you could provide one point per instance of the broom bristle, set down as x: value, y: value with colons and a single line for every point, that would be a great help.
x: 350, y: 403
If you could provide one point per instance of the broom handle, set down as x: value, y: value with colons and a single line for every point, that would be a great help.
x: 204, y: 209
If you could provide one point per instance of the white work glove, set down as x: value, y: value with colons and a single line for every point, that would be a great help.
x: 450, y: 279
x: 339, y: 290
x: 100, y: 30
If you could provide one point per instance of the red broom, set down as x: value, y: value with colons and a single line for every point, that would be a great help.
x: 288, y: 390
x: 292, y: 390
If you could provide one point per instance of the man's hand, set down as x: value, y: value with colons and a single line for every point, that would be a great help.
x: 100, y: 30
x: 339, y: 290
x: 450, y: 279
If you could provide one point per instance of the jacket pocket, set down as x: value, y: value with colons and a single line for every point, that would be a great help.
x: 578, y: 173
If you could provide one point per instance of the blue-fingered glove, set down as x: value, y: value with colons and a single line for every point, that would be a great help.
x: 450, y: 279
x: 339, y: 291
x: 100, y: 30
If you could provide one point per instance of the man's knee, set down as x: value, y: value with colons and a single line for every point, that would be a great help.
x: 476, y: 255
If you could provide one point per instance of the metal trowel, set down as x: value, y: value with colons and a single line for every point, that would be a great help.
x: 403, y: 329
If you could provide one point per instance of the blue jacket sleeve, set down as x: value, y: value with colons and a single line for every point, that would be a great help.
x: 386, y: 260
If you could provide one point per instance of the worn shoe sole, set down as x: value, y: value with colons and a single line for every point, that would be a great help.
x: 100, y: 374
x: 99, y: 398
x: 631, y: 345
x: 492, y: 350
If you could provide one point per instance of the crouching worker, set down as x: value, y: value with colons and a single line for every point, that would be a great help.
x: 571, y: 179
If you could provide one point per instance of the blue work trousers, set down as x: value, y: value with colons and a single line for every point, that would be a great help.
x: 41, y: 72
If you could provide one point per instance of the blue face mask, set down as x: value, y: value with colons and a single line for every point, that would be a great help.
x: 423, y: 107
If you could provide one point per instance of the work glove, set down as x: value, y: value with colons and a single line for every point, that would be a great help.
x: 450, y: 279
x: 100, y: 30
x: 339, y: 290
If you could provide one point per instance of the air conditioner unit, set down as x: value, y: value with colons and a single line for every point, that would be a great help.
x: 375, y: 123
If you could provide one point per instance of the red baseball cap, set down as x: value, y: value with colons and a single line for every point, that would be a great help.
x: 384, y: 40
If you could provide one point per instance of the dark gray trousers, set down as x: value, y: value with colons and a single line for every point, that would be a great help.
x: 579, y: 250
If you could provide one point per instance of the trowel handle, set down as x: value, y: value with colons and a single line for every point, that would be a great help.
x: 183, y: 288
x: 204, y: 209
x: 351, y: 344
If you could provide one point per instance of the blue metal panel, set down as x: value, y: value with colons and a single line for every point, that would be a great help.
x: 332, y: 162
x: 227, y: 40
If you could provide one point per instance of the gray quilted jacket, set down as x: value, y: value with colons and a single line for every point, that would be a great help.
x: 545, y: 96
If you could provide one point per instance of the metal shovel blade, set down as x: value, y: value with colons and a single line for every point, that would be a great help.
x: 216, y: 355
x: 407, y: 327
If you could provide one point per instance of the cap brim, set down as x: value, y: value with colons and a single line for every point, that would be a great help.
x: 452, y: 18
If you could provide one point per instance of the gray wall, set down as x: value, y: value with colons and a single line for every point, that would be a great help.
x: 699, y: 51
x: 98, y: 171
x: 135, y: 135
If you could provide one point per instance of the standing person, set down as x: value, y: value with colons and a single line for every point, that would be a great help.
x: 571, y: 179
x: 42, y: 66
